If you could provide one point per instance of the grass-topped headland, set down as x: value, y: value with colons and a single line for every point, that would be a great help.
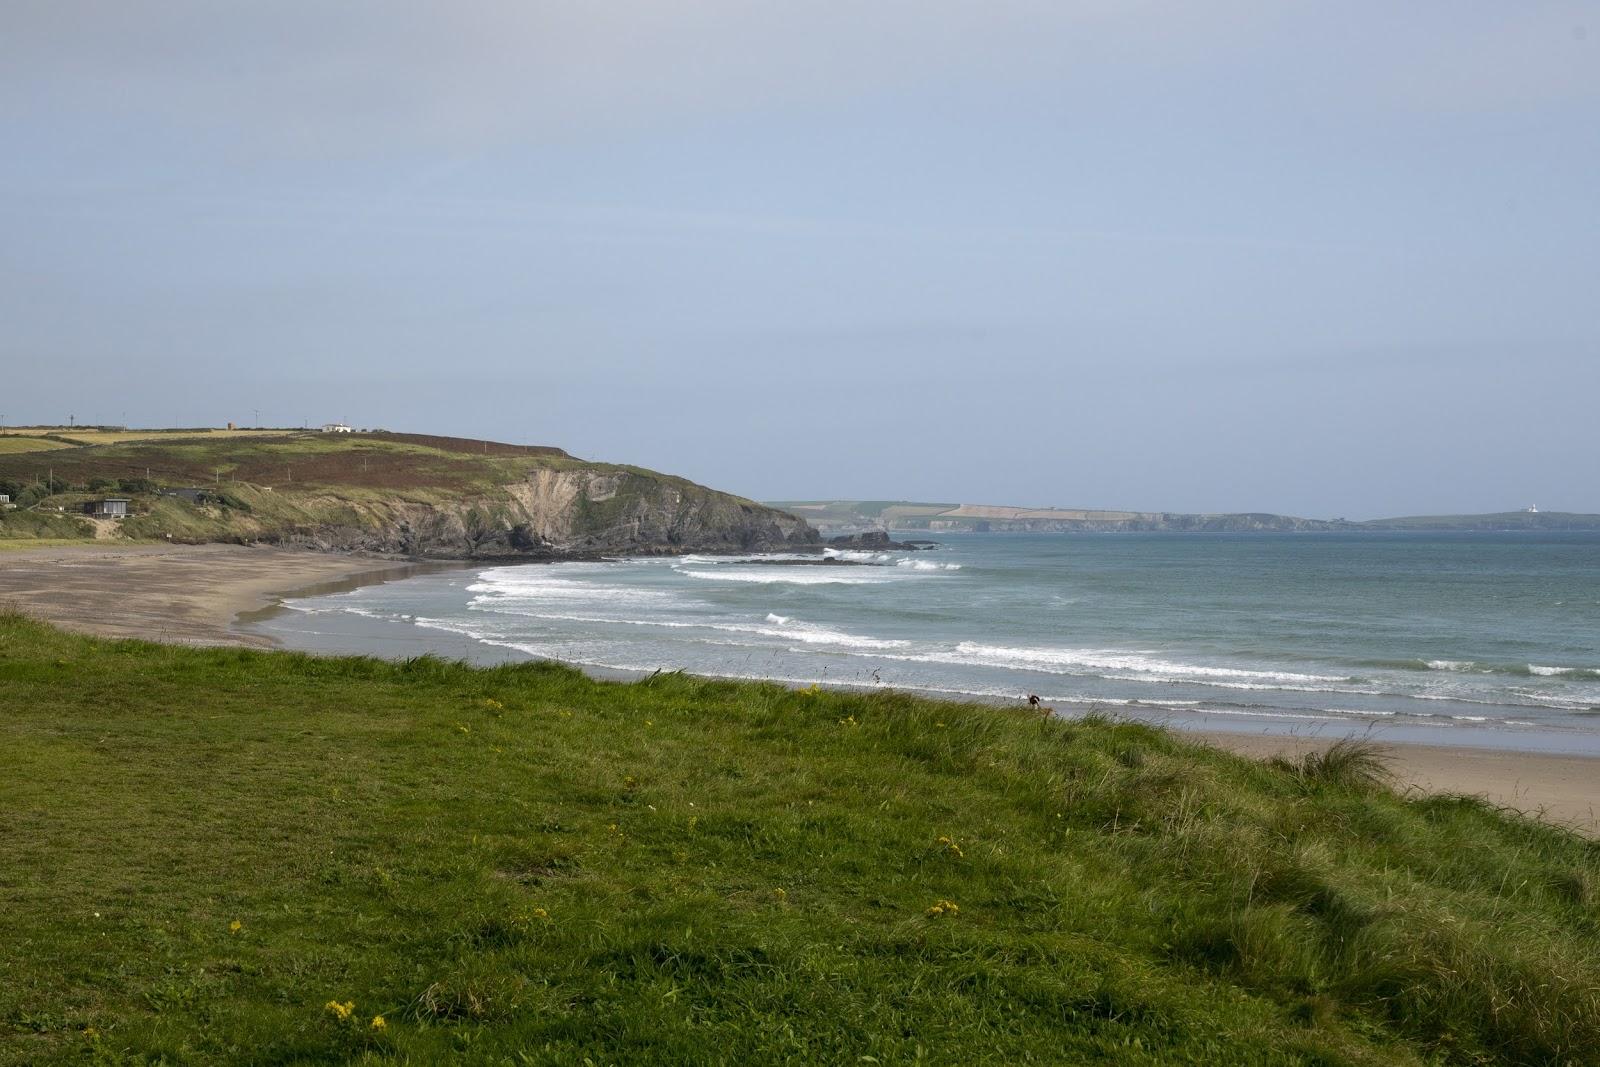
x: 407, y: 494
x: 232, y: 856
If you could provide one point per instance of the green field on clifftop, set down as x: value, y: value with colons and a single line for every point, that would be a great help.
x: 225, y: 856
x: 374, y: 491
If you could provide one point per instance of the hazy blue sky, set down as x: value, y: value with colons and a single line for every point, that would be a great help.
x: 1323, y: 258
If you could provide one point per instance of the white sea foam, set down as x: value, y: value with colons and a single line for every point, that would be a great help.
x: 927, y: 565
x: 1121, y: 660
x: 546, y: 583
x: 1451, y: 665
x: 855, y: 556
x: 816, y: 635
x: 754, y: 557
x: 783, y: 576
x: 781, y: 627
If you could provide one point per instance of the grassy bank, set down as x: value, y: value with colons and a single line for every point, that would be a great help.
x: 223, y: 855
x: 18, y: 525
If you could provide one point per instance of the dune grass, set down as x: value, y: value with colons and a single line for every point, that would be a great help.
x: 212, y: 856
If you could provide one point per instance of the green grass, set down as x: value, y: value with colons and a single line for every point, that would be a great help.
x: 523, y: 865
x: 36, y: 527
x: 17, y: 544
x: 12, y: 443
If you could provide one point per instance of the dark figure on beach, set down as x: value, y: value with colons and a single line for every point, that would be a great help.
x: 1038, y: 705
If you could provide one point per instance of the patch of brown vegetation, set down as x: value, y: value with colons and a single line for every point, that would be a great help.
x: 466, y: 444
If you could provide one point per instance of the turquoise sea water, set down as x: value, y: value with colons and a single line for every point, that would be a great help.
x: 1476, y: 639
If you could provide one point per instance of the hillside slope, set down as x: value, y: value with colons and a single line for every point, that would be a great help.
x: 393, y: 493
x: 200, y: 849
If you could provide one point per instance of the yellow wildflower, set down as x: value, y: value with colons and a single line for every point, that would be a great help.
x: 540, y: 913
x: 463, y: 727
x: 341, y: 1011
x: 943, y: 907
x: 489, y: 703
x: 378, y: 1023
x: 780, y: 894
x: 235, y: 926
x: 947, y: 844
x: 630, y: 781
x: 849, y: 720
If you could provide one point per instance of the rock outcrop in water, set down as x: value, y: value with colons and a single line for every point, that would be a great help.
x: 877, y: 541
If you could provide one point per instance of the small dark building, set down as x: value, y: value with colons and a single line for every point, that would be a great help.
x: 111, y: 507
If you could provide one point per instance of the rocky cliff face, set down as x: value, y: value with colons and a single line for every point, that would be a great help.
x: 565, y: 513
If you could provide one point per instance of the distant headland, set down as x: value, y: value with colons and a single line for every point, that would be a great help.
x: 854, y: 516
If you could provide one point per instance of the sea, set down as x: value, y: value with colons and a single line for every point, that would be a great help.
x: 1485, y: 640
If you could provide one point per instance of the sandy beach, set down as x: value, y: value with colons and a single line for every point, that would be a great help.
x: 1559, y: 789
x: 190, y: 594
x: 196, y: 594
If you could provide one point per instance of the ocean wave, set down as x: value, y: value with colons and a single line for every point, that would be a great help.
x: 856, y: 556
x: 543, y: 583
x: 753, y: 557
x: 927, y: 565
x: 780, y: 576
x: 1584, y: 673
x: 1467, y: 666
x: 1120, y: 660
x: 778, y: 626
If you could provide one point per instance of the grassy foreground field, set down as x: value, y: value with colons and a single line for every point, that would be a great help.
x: 230, y: 856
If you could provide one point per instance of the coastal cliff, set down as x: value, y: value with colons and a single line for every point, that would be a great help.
x: 560, y: 514
x: 395, y: 494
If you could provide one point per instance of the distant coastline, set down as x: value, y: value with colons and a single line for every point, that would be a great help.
x: 904, y: 516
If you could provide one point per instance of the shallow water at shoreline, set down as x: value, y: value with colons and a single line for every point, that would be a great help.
x: 1482, y: 640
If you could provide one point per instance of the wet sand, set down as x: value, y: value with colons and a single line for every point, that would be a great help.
x: 201, y: 594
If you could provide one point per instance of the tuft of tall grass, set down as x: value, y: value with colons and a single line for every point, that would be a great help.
x: 1348, y: 763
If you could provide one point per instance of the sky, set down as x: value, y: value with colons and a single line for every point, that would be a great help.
x: 1327, y: 259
